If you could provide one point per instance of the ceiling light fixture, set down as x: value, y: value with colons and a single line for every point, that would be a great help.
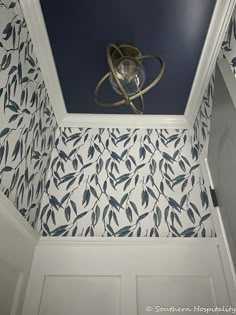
x: 127, y: 75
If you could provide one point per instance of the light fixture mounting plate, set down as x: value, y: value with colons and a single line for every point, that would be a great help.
x: 127, y: 49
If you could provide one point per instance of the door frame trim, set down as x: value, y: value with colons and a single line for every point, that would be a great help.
x: 228, y: 77
x: 223, y: 245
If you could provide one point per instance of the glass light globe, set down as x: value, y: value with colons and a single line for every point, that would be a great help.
x: 131, y: 75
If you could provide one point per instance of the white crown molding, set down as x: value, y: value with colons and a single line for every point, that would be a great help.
x: 34, y: 18
x: 8, y: 210
x: 218, y: 26
x: 35, y: 22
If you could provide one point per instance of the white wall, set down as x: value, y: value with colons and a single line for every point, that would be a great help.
x: 17, y: 243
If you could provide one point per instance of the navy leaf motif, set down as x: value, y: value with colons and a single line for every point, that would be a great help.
x: 112, y: 179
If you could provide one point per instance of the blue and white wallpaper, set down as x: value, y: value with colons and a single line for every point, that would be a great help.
x: 27, y: 122
x: 229, y: 43
x: 93, y: 182
x: 128, y: 182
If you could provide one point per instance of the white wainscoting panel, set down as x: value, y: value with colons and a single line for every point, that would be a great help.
x: 135, y: 271
x: 17, y: 243
x: 81, y: 295
x: 10, y: 277
x: 174, y: 291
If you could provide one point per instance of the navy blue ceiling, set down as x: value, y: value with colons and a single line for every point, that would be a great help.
x: 79, y: 31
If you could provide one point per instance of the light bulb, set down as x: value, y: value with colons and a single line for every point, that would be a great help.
x: 131, y: 75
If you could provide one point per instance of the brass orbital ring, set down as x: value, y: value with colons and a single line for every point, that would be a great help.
x: 124, y: 61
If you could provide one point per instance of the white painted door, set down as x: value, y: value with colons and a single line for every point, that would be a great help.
x: 17, y: 243
x: 222, y: 149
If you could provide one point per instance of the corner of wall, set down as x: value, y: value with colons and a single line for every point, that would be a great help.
x: 27, y: 121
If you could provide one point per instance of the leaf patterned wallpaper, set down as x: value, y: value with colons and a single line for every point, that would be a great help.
x: 27, y: 122
x: 93, y: 182
x: 229, y: 43
x: 128, y: 182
